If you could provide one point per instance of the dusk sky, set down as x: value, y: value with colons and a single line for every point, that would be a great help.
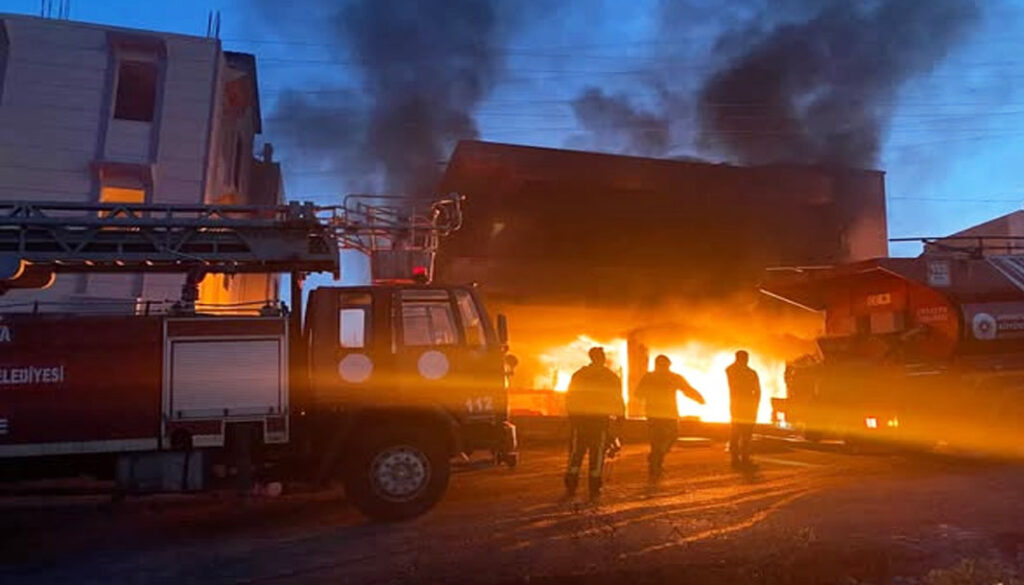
x: 950, y: 148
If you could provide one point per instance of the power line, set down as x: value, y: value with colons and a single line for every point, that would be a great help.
x: 957, y: 200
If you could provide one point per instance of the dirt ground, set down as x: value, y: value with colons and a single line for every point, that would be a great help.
x: 805, y: 516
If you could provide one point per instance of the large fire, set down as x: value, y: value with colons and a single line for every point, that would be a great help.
x: 551, y: 342
x: 702, y: 364
x: 563, y: 361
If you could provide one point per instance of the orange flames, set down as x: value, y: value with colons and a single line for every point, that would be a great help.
x: 551, y: 343
x: 703, y: 365
x: 563, y: 361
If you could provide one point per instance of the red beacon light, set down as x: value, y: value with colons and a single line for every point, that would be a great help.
x: 419, y: 274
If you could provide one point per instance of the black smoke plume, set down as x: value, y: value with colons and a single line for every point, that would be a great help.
x: 422, y: 66
x: 425, y: 65
x: 820, y: 89
x: 614, y: 124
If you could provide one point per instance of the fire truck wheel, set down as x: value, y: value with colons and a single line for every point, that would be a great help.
x: 397, y: 474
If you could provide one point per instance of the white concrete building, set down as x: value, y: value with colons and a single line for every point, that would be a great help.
x: 94, y: 113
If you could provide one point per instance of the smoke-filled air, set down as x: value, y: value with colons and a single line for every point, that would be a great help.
x: 795, y: 81
x: 420, y: 68
x: 792, y: 81
x: 820, y: 90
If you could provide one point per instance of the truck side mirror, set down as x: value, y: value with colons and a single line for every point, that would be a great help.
x: 511, y: 362
x: 502, y: 329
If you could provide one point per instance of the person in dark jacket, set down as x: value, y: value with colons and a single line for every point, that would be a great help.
x: 593, y: 399
x: 658, y: 390
x: 744, y: 399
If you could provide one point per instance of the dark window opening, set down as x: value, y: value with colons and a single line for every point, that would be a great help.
x: 136, y: 91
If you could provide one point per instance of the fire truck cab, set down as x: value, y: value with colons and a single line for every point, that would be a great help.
x: 406, y: 377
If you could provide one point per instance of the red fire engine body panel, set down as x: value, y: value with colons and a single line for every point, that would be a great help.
x: 93, y: 381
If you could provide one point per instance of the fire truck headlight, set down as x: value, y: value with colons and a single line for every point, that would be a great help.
x: 871, y: 422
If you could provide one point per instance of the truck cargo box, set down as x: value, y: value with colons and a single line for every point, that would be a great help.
x: 86, y: 384
x: 108, y: 384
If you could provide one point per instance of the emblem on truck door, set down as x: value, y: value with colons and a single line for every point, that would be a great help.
x: 433, y: 365
x: 355, y: 368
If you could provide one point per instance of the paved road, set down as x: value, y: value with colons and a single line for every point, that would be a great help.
x: 804, y: 516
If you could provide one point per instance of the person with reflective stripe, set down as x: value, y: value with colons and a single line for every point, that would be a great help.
x: 657, y: 390
x: 594, y: 398
x: 744, y: 399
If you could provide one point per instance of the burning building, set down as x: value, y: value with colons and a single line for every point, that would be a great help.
x: 638, y: 253
x: 606, y: 229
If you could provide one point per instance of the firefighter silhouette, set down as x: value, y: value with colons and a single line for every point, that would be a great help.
x: 744, y: 399
x: 593, y: 400
x: 658, y: 389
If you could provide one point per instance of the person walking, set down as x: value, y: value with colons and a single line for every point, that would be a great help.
x: 657, y: 390
x: 594, y: 398
x: 744, y: 399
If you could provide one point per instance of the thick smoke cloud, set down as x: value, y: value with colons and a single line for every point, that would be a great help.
x: 821, y: 90
x: 756, y: 81
x: 614, y: 124
x: 422, y: 65
x: 800, y: 81
x: 425, y: 65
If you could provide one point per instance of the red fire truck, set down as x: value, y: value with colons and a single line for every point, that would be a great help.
x: 379, y: 386
x: 920, y: 351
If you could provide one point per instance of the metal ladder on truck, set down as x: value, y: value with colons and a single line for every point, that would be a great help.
x: 40, y: 240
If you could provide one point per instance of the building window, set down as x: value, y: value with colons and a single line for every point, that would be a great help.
x: 122, y: 195
x: 136, y: 91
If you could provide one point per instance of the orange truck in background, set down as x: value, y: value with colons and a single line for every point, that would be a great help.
x: 919, y: 351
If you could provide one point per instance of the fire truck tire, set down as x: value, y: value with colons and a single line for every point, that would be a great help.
x: 397, y: 473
